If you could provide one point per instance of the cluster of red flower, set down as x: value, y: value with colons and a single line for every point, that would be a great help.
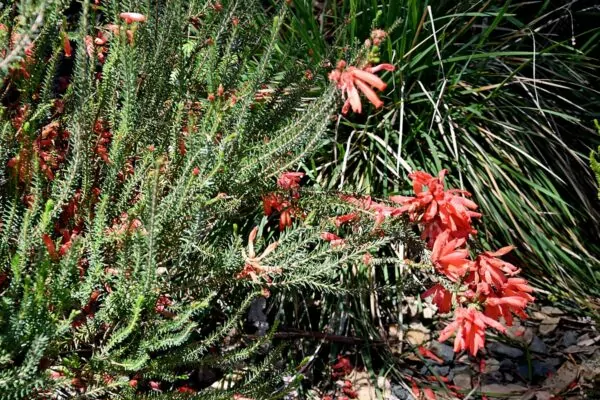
x: 49, y: 147
x: 341, y: 369
x: 486, y: 289
x: 284, y: 205
x: 351, y: 79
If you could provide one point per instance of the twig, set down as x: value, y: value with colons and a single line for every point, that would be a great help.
x: 327, y: 337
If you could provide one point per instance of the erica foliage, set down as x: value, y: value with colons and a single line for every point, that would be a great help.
x: 137, y: 144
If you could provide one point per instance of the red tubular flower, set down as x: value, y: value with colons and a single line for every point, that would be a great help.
x: 67, y: 46
x: 492, y: 270
x: 185, y: 389
x: 349, y: 391
x: 161, y: 303
x: 285, y: 219
x: 367, y: 258
x: 50, y: 246
x: 513, y: 298
x: 381, y: 211
x: 377, y: 36
x: 343, y: 219
x: 437, y: 208
x: 332, y: 238
x: 100, y: 40
x: 130, y: 17
x: 469, y: 326
x: 448, y: 258
x: 363, y: 202
x: 342, y: 367
x: 272, y: 202
x: 290, y: 180
x: 350, y: 80
x: 441, y: 297
x: 425, y: 352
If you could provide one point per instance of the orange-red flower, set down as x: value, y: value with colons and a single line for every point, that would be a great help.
x: 332, y: 238
x: 449, y: 258
x: 492, y: 270
x: 351, y: 80
x: 272, y: 202
x: 67, y: 46
x: 185, y: 389
x: 469, y: 326
x: 343, y: 219
x: 514, y: 296
x: 342, y: 367
x: 275, y: 202
x: 290, y: 180
x: 440, y: 296
x: 438, y: 209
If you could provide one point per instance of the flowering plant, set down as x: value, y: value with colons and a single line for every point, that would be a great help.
x: 483, y: 291
x: 479, y: 292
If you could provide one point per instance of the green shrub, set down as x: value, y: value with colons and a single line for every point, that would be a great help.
x: 134, y: 158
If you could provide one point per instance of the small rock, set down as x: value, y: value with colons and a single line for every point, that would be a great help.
x: 361, y: 381
x: 520, y: 334
x: 542, y: 368
x: 553, y: 311
x: 500, y: 390
x: 436, y: 370
x: 502, y: 349
x: 463, y: 359
x: 580, y: 349
x: 462, y: 369
x: 491, y: 365
x: 463, y: 381
x: 548, y: 325
x: 539, y: 369
x: 443, y: 351
x: 507, y: 365
x: 401, y: 393
x: 508, y: 377
x: 538, y: 346
x: 588, y: 342
x: 441, y: 370
x: 568, y: 339
x: 543, y: 395
x: 538, y: 315
x: 523, y: 371
x: 554, y: 361
x: 583, y: 338
x: 565, y: 375
x: 494, y: 377
x: 417, y: 334
x: 590, y: 369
